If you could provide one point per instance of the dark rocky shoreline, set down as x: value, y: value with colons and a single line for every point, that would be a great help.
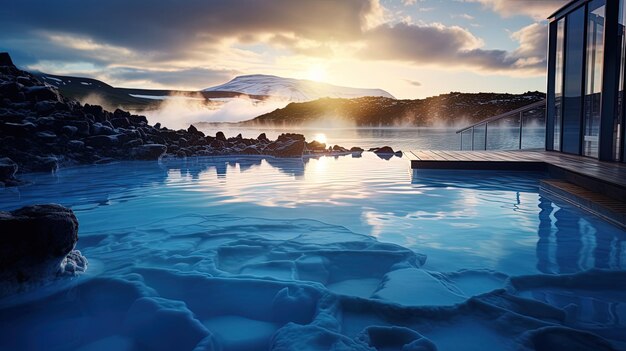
x: 40, y: 131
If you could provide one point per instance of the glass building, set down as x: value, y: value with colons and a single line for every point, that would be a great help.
x: 585, y: 105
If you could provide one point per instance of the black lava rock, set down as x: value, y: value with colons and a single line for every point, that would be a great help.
x: 291, y: 148
x: 148, y: 152
x: 385, y: 150
x: 316, y: 146
x: 8, y: 168
x: 220, y: 136
x: 5, y: 59
x: 290, y: 136
x: 34, y: 241
x: 194, y: 131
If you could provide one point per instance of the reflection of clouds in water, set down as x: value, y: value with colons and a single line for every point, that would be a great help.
x: 469, y: 218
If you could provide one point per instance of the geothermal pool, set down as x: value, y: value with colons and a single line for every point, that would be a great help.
x: 344, y: 253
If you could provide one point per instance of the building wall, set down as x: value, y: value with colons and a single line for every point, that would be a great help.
x: 585, y: 109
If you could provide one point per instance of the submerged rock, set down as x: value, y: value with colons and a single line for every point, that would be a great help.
x: 36, y: 243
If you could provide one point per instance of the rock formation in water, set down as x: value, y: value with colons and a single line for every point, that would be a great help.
x: 37, y: 243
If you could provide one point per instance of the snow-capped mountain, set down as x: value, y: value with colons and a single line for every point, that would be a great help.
x: 293, y: 89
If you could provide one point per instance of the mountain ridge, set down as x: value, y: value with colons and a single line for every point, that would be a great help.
x: 445, y: 109
x: 292, y: 89
x: 136, y: 99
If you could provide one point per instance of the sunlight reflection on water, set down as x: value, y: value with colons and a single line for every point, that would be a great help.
x: 460, y: 220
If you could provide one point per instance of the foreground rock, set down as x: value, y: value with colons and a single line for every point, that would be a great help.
x: 37, y: 242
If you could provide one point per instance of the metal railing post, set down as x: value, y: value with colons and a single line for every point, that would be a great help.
x: 461, y: 143
x: 486, y: 136
x: 472, y: 138
x: 520, y: 129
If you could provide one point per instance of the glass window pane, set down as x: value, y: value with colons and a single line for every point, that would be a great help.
x: 619, y: 120
x: 593, y: 79
x: 558, y: 83
x: 572, y: 81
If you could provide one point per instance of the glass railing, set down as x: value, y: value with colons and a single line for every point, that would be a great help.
x: 524, y: 128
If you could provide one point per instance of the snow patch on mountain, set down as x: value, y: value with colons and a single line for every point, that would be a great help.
x: 293, y: 89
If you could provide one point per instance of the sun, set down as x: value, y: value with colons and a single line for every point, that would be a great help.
x: 321, y: 137
x: 317, y: 73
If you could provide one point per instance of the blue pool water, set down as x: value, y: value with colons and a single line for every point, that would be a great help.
x: 330, y: 253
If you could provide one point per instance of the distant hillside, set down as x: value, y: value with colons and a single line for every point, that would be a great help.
x: 291, y: 89
x: 446, y: 109
x: 89, y: 90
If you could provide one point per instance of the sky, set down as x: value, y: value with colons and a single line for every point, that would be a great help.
x: 411, y: 48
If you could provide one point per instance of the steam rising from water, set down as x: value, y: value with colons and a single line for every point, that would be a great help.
x: 97, y: 99
x: 179, y: 113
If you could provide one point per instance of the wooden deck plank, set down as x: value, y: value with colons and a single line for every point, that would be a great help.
x: 453, y: 155
x: 411, y: 156
x: 426, y: 155
x: 609, y: 172
x: 444, y: 156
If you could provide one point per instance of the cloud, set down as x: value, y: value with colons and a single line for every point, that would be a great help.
x: 537, y: 9
x: 154, y: 43
x: 156, y: 26
x: 426, y: 43
x: 194, y: 78
x: 463, y: 15
x: 454, y: 46
x: 413, y: 82
x: 533, y: 44
x: 171, y: 36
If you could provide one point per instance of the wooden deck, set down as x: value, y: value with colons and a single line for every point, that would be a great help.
x: 601, y: 205
x: 608, y: 178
